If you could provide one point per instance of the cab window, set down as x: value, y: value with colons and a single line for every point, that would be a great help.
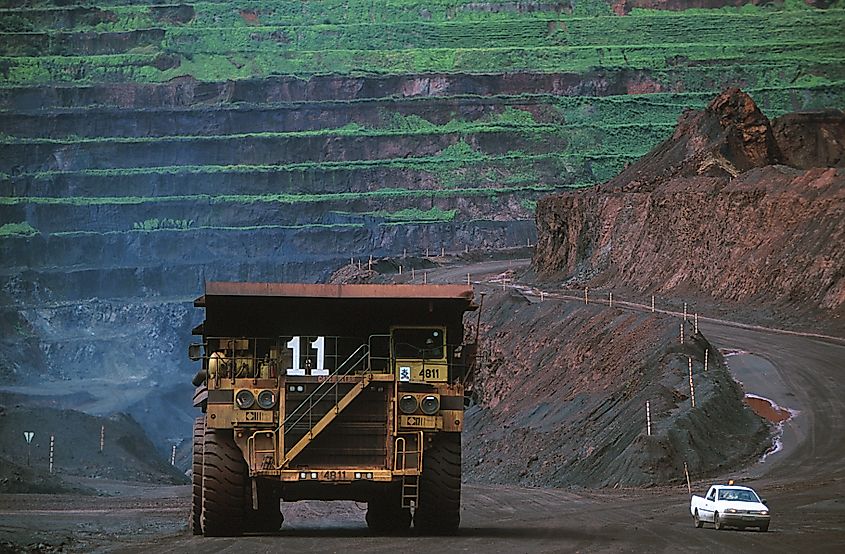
x: 427, y: 344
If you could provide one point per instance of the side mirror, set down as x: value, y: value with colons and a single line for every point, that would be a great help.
x: 195, y: 352
x: 764, y: 501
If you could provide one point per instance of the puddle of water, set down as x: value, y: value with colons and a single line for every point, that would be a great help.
x: 770, y: 411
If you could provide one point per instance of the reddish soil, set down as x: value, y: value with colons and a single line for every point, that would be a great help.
x: 716, y: 215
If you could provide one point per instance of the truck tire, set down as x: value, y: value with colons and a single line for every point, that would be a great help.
x: 697, y: 520
x: 764, y: 528
x: 439, y: 509
x: 223, y: 485
x: 385, y: 514
x: 196, y: 476
x: 268, y: 517
x: 717, y: 523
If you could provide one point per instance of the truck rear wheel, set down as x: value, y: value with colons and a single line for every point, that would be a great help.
x: 223, y: 485
x: 196, y: 476
x: 385, y: 513
x: 439, y: 509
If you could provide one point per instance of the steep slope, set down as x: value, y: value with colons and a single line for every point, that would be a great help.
x: 562, y: 399
x: 714, y: 215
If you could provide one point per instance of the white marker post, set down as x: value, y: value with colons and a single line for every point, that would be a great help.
x: 682, y: 332
x: 52, y: 443
x: 426, y: 251
x: 173, y: 456
x: 102, y: 437
x: 696, y: 323
x: 404, y: 252
x: 468, y: 281
x: 686, y: 472
x: 691, y: 387
x: 370, y: 263
x: 542, y: 296
x: 652, y: 303
x: 706, y: 352
x: 648, y: 416
x: 685, y: 311
x: 610, y: 301
x: 466, y: 249
x: 586, y: 299
x: 27, y: 435
x: 412, y: 273
x: 400, y: 270
x: 442, y: 251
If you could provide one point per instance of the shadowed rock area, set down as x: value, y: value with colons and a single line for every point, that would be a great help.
x: 561, y: 399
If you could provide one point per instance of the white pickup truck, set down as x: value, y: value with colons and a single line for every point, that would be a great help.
x: 730, y: 506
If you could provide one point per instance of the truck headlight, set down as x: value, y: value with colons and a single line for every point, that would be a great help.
x: 408, y: 404
x: 730, y: 511
x: 430, y: 404
x: 244, y: 399
x: 266, y: 399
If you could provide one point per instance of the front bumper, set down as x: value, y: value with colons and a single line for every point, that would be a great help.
x: 744, y: 520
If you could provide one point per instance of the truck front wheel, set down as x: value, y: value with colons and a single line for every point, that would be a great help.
x: 439, y: 509
x: 223, y: 485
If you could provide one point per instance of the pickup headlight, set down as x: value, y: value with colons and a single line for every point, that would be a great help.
x: 730, y: 511
x: 763, y: 512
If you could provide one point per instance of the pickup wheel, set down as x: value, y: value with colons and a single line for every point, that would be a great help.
x: 697, y: 520
x: 717, y: 523
x: 764, y: 527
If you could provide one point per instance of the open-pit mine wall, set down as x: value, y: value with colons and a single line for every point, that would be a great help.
x: 145, y: 148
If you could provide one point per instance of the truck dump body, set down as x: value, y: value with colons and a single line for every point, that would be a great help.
x: 256, y: 309
x: 336, y: 392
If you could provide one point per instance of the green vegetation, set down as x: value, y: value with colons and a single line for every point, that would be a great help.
x: 153, y: 224
x: 639, y: 73
x: 416, y: 215
x: 340, y: 197
x: 23, y: 229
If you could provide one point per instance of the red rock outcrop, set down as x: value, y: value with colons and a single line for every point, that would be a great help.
x: 714, y: 213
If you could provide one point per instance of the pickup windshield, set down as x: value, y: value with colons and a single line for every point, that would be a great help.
x: 738, y: 495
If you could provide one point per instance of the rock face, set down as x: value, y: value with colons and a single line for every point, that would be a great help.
x: 562, y: 399
x: 715, y: 213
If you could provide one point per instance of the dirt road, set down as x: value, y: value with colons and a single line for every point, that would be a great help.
x: 804, y: 483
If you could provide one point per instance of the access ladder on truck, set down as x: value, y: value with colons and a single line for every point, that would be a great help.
x: 408, y: 462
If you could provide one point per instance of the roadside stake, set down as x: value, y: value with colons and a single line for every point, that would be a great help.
x: 686, y: 472
x: 691, y: 387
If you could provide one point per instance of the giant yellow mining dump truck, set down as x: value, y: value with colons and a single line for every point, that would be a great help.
x: 330, y: 392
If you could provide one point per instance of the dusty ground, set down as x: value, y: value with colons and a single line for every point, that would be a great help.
x: 804, y: 483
